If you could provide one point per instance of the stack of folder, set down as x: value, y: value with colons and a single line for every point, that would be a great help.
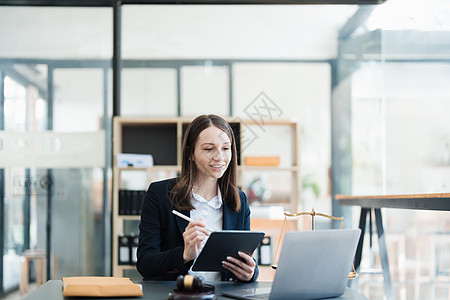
x: 96, y: 286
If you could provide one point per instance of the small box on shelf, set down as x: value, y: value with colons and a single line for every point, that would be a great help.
x: 125, y: 160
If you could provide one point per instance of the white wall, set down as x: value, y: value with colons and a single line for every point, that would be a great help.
x: 175, y: 31
x: 218, y: 31
x: 56, y: 33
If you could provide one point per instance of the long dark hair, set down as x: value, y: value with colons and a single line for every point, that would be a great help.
x: 181, y: 191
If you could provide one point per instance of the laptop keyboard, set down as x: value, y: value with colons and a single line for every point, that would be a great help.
x: 260, y: 296
x: 260, y: 293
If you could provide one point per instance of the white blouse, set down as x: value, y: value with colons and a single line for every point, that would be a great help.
x: 212, y: 214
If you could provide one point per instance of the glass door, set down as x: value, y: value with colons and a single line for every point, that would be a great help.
x: 24, y: 111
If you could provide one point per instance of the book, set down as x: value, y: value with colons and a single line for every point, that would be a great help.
x: 262, y: 161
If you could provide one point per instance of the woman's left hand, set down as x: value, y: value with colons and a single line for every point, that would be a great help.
x: 243, y: 270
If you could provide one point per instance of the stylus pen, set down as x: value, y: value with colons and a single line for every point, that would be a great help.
x: 187, y: 218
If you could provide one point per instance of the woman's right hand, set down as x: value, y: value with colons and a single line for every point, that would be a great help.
x: 194, y: 234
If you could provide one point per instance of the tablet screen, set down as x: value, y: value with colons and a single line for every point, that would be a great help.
x: 221, y: 244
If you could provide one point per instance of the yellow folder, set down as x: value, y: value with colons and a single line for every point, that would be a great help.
x: 96, y: 286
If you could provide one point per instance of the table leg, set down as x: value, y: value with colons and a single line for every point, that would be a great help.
x: 362, y: 226
x: 384, y: 256
x: 370, y: 229
x: 44, y: 269
x: 39, y: 272
x: 23, y: 284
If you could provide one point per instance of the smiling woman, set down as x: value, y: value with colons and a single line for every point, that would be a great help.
x: 209, y: 143
x: 206, y: 191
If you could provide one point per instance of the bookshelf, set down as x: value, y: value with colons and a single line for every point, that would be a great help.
x: 162, y: 138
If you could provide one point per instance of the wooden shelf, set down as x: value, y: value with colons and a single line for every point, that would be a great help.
x: 127, y: 267
x: 152, y: 169
x: 129, y: 217
x: 268, y: 168
x: 162, y: 137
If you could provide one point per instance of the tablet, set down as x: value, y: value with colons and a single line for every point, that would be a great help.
x: 221, y: 244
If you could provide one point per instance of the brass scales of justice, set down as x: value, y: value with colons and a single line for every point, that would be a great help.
x: 313, y: 213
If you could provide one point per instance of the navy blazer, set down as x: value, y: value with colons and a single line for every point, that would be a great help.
x: 161, y: 244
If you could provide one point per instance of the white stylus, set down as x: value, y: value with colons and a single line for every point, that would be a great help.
x: 187, y: 218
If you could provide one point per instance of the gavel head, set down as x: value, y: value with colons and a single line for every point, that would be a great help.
x: 190, y: 283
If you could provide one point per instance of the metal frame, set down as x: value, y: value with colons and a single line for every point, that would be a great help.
x: 178, y: 90
x: 27, y: 210
x: 358, y: 18
x: 2, y: 182
x: 50, y: 187
x: 11, y: 72
x: 106, y: 211
x: 256, y: 2
x: 106, y: 3
x: 117, y: 57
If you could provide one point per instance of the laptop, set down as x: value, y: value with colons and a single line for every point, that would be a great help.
x: 312, y: 265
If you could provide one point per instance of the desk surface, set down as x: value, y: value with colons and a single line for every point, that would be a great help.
x: 158, y: 290
x: 436, y: 201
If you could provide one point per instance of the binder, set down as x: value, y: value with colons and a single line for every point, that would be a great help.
x: 129, y: 202
x: 141, y: 200
x: 134, y: 201
x: 122, y: 203
x: 134, y: 245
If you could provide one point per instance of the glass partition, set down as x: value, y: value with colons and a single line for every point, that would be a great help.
x: 14, y: 198
x: 55, y: 66
x: 393, y: 88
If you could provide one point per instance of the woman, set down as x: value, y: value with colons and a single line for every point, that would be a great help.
x: 205, y: 191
